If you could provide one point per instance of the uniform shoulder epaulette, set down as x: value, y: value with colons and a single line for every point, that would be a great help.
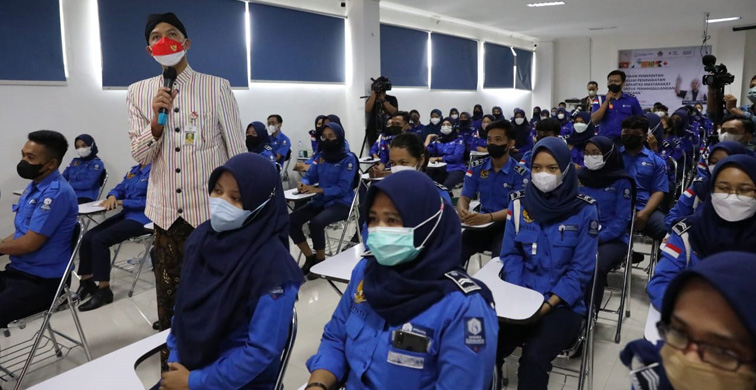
x: 516, y: 195
x: 268, y: 148
x: 463, y: 281
x: 586, y: 198
x: 479, y: 162
x: 681, y: 227
x: 521, y: 170
x: 441, y: 187
x: 698, y: 179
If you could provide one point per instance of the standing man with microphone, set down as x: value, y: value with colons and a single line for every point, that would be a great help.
x: 616, y: 107
x: 185, y: 128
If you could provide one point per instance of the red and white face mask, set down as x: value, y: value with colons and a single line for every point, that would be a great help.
x: 168, y: 52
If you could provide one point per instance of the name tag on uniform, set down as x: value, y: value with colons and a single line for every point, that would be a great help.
x: 190, y: 134
x: 408, y: 361
x: 534, y: 248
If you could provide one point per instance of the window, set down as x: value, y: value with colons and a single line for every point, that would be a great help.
x: 524, y: 63
x: 404, y: 56
x: 455, y: 62
x: 499, y: 66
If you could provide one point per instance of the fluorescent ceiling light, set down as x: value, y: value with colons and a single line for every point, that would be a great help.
x: 549, y: 4
x: 723, y: 19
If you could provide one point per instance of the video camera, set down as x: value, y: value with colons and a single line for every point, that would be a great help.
x: 381, y: 84
x: 718, y: 75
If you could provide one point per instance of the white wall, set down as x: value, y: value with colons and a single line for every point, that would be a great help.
x: 749, y: 65
x: 579, y: 60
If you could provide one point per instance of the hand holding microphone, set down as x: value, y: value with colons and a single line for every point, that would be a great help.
x: 163, y: 102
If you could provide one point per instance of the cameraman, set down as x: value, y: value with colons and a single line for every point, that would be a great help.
x: 379, y: 103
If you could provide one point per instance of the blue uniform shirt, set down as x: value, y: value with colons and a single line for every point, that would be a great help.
x: 383, y: 149
x: 614, y: 211
x: 494, y: 187
x: 619, y: 109
x: 674, y: 259
x: 269, y: 153
x: 335, y: 179
x: 281, y: 145
x: 48, y: 208
x: 452, y: 153
x: 476, y: 141
x: 248, y: 358
x: 650, y: 173
x: 376, y: 148
x: 133, y: 192
x: 85, y: 177
x: 686, y: 205
x: 356, y: 344
x: 554, y: 259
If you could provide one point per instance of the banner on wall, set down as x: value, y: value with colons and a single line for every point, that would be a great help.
x: 670, y: 75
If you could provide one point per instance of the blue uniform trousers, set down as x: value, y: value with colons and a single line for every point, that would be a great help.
x: 319, y: 218
x: 94, y: 254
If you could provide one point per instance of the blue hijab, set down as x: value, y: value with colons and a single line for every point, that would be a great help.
x: 579, y: 140
x: 465, y: 125
x: 680, y: 130
x: 655, y: 127
x: 341, y: 152
x: 451, y: 136
x: 702, y: 187
x: 710, y: 234
x: 317, y: 131
x: 477, y: 116
x: 501, y: 113
x: 400, y: 293
x: 430, y: 128
x: 562, y: 110
x: 613, y: 169
x: 87, y: 139
x: 730, y: 273
x: 224, y: 273
x: 522, y: 132
x: 557, y: 205
x: 263, y: 139
x: 334, y: 119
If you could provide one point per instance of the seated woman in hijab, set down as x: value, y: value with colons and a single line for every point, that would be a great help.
x: 407, y: 152
x: 708, y: 328
x: 86, y: 173
x: 465, y: 127
x: 582, y: 130
x: 605, y: 180
x: 477, y: 116
x: 497, y: 113
x: 550, y: 245
x: 314, y: 141
x: 448, y: 148
x: 410, y: 318
x: 726, y: 222
x: 564, y: 121
x: 319, y: 135
x: 238, y: 285
x: 479, y: 140
x: 334, y: 172
x: 698, y: 192
x: 258, y: 141
x: 536, y: 116
x: 523, y: 141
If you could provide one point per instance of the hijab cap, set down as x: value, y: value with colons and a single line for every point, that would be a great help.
x: 613, y: 169
x: 262, y: 136
x: 89, y: 140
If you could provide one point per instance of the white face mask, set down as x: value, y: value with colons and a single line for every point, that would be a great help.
x: 455, y: 116
x: 272, y: 129
x: 560, y: 116
x: 594, y: 163
x: 731, y: 208
x: 591, y: 93
x: 545, y: 181
x: 660, y: 114
x: 519, y: 121
x: 435, y: 121
x: 446, y: 130
x: 399, y: 168
x: 84, y: 152
x: 580, y: 127
x: 730, y: 137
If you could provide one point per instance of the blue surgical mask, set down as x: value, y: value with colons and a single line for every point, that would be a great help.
x: 392, y: 246
x: 752, y: 95
x: 225, y: 217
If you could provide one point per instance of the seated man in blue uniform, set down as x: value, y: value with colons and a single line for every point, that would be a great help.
x: 493, y: 178
x: 547, y: 127
x: 86, y: 173
x: 650, y: 173
x: 46, y: 215
x: 94, y: 254
x: 280, y: 143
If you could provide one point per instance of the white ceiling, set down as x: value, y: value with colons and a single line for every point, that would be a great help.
x: 576, y: 17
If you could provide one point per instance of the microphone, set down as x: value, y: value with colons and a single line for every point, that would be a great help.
x: 169, y: 76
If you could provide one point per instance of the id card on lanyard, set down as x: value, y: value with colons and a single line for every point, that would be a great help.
x: 190, y: 134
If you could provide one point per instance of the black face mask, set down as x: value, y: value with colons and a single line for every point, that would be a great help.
x: 614, y: 88
x: 464, y: 124
x: 329, y: 145
x: 415, y: 119
x: 394, y: 130
x: 28, y: 170
x: 632, y: 141
x: 252, y: 142
x: 496, y: 151
x: 478, y: 113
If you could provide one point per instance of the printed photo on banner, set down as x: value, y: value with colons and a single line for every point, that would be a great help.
x: 669, y: 75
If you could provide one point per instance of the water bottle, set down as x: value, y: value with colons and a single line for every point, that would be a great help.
x: 300, y: 149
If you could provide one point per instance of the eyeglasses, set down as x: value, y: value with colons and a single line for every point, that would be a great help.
x: 743, y: 193
x: 718, y: 357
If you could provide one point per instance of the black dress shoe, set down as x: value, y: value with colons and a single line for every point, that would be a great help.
x: 100, y: 298
x: 86, y: 288
x: 309, y: 262
x: 156, y: 325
